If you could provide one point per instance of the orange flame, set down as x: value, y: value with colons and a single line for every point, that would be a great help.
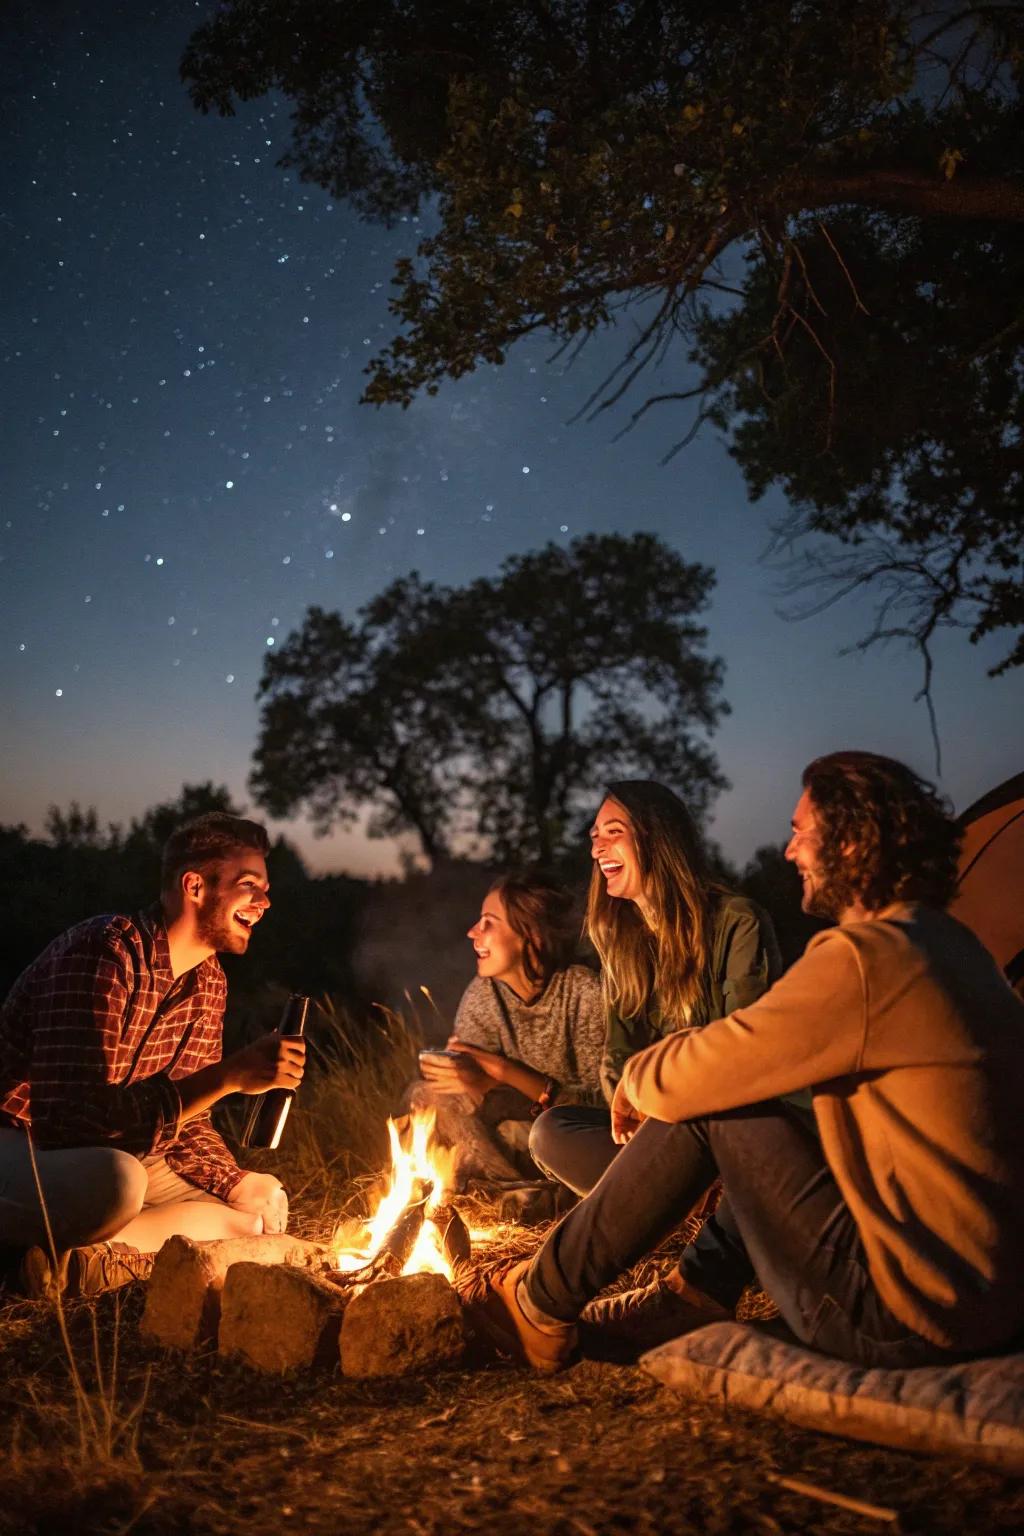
x: 422, y: 1161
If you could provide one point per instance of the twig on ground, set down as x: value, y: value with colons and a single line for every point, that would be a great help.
x: 843, y: 1500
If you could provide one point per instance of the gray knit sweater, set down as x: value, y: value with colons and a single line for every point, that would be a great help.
x: 560, y: 1034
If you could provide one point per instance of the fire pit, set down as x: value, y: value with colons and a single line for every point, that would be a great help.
x: 380, y: 1290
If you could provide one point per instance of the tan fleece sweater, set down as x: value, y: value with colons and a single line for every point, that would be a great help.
x: 914, y: 1046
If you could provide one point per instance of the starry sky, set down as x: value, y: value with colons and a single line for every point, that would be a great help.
x: 186, y: 466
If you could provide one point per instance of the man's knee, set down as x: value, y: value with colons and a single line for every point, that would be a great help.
x: 114, y: 1188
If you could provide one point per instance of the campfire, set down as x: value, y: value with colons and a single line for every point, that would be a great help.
x: 415, y: 1229
x: 283, y: 1303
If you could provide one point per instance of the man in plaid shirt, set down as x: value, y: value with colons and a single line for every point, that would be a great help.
x: 110, y: 1056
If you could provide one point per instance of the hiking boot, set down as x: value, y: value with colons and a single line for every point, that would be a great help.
x: 490, y: 1295
x: 535, y: 1203
x: 624, y: 1326
x: 88, y: 1271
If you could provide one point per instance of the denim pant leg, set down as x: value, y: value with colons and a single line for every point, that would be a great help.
x: 789, y: 1215
x: 646, y: 1190
x: 573, y: 1144
x: 721, y: 1255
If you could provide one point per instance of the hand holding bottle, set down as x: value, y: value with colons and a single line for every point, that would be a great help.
x: 272, y: 1061
x: 283, y: 1055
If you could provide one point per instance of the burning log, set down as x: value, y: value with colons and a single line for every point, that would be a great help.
x: 393, y: 1253
x: 415, y: 1228
x: 397, y: 1247
x: 455, y: 1241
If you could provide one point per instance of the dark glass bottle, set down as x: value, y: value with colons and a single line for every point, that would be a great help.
x: 269, y: 1111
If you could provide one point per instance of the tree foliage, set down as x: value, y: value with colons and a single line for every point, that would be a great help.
x: 817, y: 204
x: 493, y: 712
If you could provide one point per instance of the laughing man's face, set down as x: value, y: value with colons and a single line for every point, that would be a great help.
x: 804, y: 850
x: 233, y: 901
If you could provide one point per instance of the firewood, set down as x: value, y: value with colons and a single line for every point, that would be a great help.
x: 454, y: 1234
x: 393, y: 1253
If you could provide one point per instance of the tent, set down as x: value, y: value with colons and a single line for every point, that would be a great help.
x: 990, y: 890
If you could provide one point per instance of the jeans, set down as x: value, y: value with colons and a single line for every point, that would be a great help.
x: 783, y: 1222
x: 573, y: 1144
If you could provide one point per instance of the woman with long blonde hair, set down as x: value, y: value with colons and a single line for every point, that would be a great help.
x: 677, y: 949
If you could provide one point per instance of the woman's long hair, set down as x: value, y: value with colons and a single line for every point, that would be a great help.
x: 540, y: 912
x: 666, y: 963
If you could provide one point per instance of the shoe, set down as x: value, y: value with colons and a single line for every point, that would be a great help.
x: 88, y: 1271
x: 535, y: 1203
x: 489, y: 1294
x: 624, y: 1326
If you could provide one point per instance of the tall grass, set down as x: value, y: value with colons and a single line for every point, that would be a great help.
x: 105, y: 1434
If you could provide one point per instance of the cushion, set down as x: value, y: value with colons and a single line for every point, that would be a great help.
x: 973, y: 1409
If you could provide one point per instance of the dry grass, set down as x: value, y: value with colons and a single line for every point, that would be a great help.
x: 199, y: 1445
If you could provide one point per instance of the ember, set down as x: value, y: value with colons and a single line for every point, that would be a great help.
x: 415, y: 1229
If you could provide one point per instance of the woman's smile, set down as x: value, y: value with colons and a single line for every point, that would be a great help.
x: 613, y: 848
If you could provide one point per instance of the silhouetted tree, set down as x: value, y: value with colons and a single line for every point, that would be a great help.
x: 820, y: 206
x: 496, y: 709
x: 75, y: 828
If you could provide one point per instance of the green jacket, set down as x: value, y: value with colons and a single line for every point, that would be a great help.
x: 745, y: 961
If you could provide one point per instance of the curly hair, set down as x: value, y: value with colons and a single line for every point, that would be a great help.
x: 202, y: 843
x: 541, y: 913
x: 886, y: 834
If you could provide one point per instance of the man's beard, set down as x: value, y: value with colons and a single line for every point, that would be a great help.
x: 216, y: 930
x: 828, y: 897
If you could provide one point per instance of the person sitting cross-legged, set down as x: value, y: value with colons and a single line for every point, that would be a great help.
x: 529, y: 1032
x: 890, y: 1235
x: 110, y: 1060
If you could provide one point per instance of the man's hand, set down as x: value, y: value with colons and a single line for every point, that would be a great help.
x: 489, y: 1062
x: 262, y: 1195
x: 626, y: 1118
x: 448, y: 1076
x: 272, y: 1061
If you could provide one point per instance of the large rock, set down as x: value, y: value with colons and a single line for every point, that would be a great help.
x: 392, y: 1327
x: 183, y: 1298
x: 279, y: 1318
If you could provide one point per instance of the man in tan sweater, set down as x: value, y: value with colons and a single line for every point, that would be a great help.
x: 891, y: 1232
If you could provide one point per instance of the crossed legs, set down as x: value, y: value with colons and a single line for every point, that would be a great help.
x: 783, y: 1220
x: 93, y: 1194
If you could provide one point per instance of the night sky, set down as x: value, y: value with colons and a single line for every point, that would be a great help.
x: 186, y: 466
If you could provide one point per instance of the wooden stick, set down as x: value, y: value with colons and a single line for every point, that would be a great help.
x: 843, y: 1500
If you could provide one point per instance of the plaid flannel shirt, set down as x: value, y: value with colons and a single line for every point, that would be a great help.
x: 93, y: 1036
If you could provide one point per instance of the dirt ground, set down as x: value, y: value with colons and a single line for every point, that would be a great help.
x: 203, y: 1446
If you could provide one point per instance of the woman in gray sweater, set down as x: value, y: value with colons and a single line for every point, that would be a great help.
x: 529, y: 1031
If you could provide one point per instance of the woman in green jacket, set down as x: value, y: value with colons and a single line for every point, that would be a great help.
x: 677, y: 949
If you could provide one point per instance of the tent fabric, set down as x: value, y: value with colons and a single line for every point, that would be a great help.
x: 990, y: 890
x: 972, y: 1409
